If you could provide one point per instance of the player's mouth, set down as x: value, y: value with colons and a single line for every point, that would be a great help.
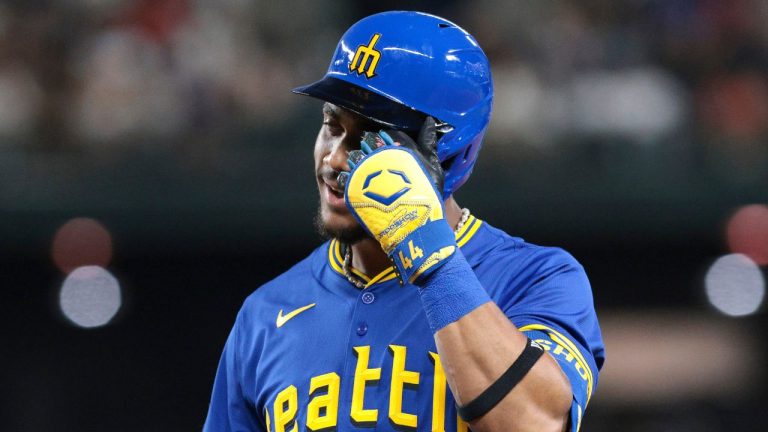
x: 333, y: 195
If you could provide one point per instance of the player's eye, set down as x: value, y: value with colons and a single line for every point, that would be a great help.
x: 333, y: 127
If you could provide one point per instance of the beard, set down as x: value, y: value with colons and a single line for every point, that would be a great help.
x: 347, y: 235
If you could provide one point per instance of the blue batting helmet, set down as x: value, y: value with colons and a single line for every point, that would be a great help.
x: 398, y: 67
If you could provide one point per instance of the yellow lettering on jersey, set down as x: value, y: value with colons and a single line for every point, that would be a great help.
x: 363, y: 375
x: 286, y: 404
x: 438, y: 395
x: 582, y: 370
x: 559, y: 350
x: 461, y: 425
x: 400, y: 378
x: 565, y: 345
x: 546, y: 344
x: 329, y: 401
x: 266, y: 417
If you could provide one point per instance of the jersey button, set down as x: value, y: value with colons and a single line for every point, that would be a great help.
x: 368, y: 297
x: 362, y: 329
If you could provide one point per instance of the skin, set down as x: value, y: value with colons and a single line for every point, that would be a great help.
x: 476, y: 349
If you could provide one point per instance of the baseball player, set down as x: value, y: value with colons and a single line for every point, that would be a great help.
x: 415, y: 315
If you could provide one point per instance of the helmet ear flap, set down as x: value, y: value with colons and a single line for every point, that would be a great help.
x: 446, y: 164
x: 459, y: 161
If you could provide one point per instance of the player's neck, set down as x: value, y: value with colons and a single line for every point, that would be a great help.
x: 368, y: 257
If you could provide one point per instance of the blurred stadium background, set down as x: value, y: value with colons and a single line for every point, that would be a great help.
x: 155, y: 169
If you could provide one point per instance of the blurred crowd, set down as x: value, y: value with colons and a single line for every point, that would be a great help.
x: 666, y: 94
x: 690, y: 74
x: 95, y: 74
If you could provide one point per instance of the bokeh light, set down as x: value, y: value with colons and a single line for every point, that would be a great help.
x: 735, y: 285
x: 747, y: 232
x: 90, y: 296
x: 80, y: 242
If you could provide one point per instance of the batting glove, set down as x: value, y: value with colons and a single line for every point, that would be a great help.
x: 392, y: 190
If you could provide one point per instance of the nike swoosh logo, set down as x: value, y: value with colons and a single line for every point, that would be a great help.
x: 282, y: 319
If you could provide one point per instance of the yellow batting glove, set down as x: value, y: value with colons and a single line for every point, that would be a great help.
x: 397, y: 202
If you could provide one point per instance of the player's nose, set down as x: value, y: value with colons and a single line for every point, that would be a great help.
x: 337, y: 157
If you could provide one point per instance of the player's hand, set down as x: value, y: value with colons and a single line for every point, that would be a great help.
x: 393, y: 191
x: 425, y: 148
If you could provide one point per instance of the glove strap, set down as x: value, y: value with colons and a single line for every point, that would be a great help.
x: 423, y: 250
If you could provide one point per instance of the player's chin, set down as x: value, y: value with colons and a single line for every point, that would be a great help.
x: 341, y: 226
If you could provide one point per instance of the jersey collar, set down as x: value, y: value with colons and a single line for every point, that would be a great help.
x: 336, y: 257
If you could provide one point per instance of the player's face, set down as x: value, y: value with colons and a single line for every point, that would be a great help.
x: 340, y: 133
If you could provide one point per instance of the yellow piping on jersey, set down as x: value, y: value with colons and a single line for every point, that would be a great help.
x: 465, y: 228
x: 384, y: 276
x: 469, y: 228
x: 332, y: 257
x: 336, y: 260
x: 360, y: 274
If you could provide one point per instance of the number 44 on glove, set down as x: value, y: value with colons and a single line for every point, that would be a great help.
x: 392, y: 190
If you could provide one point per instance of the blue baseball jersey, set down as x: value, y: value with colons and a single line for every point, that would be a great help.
x: 310, y: 351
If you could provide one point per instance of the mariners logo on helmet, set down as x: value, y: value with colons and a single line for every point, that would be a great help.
x: 363, y: 53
